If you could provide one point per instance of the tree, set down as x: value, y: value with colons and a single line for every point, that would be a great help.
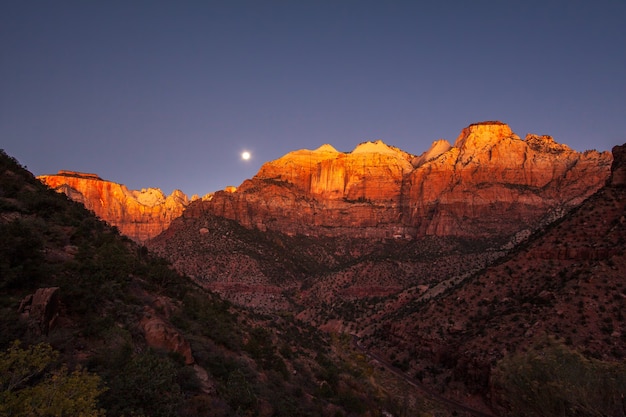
x: 32, y: 385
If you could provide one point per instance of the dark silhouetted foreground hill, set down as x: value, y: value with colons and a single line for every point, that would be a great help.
x: 91, y: 323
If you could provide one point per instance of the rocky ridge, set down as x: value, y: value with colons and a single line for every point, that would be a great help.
x: 439, y: 306
x: 358, y: 264
x: 440, y: 216
x: 445, y: 309
x: 140, y: 215
x: 490, y: 182
x: 568, y: 281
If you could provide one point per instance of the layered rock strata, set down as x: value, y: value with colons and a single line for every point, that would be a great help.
x: 140, y: 215
x: 489, y: 183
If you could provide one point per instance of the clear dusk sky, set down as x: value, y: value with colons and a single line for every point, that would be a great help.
x: 169, y: 93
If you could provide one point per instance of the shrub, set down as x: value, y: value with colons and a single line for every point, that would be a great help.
x: 21, y: 254
x: 145, y: 384
x: 32, y: 385
x: 554, y: 380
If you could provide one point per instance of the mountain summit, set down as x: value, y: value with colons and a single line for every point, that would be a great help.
x: 489, y: 183
x: 417, y: 257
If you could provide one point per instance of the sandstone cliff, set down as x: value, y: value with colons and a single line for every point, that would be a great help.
x: 489, y: 183
x: 139, y: 215
x: 568, y: 281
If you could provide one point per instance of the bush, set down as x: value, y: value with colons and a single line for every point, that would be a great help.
x: 32, y: 385
x: 554, y: 380
x: 21, y: 255
x: 145, y: 384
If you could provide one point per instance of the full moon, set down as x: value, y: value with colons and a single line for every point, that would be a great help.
x: 245, y: 155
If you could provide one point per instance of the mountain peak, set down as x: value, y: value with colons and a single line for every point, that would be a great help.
x: 76, y: 174
x: 545, y: 143
x: 139, y: 214
x: 437, y: 148
x: 327, y: 148
x: 379, y: 190
x: 375, y: 147
x: 479, y: 135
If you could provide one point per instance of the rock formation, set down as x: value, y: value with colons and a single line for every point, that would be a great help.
x: 161, y: 334
x: 489, y: 183
x: 139, y: 215
x: 41, y: 309
x: 567, y: 281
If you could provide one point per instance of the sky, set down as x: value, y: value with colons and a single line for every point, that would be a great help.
x: 169, y: 94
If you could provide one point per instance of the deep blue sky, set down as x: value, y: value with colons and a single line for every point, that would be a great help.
x: 168, y: 93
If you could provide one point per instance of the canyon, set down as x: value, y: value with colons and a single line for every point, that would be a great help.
x: 442, y: 263
x: 314, y: 228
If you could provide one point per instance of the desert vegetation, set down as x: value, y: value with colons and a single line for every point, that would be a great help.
x: 551, y: 379
x: 94, y: 357
x: 535, y: 329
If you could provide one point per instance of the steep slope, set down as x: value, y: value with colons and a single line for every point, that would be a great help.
x: 139, y: 215
x: 568, y: 281
x: 490, y: 183
x: 468, y: 204
x: 433, y: 306
x: 147, y: 340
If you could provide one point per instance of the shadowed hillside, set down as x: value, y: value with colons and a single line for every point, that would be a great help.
x: 454, y: 314
x: 449, y: 311
x: 83, y: 306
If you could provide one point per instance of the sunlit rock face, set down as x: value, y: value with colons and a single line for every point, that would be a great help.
x: 139, y: 215
x: 307, y: 189
x: 490, y: 182
x: 493, y: 182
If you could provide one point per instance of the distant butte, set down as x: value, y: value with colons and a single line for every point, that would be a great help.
x: 78, y: 175
x: 140, y: 215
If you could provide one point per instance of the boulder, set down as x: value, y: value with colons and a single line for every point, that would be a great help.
x: 41, y: 309
x: 161, y: 334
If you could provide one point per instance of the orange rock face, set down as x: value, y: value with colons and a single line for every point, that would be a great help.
x: 139, y: 215
x: 490, y: 182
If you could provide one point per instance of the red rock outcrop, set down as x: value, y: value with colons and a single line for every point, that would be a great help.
x: 567, y: 281
x: 489, y: 183
x: 41, y: 309
x: 161, y: 334
x: 492, y: 182
x: 139, y: 215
